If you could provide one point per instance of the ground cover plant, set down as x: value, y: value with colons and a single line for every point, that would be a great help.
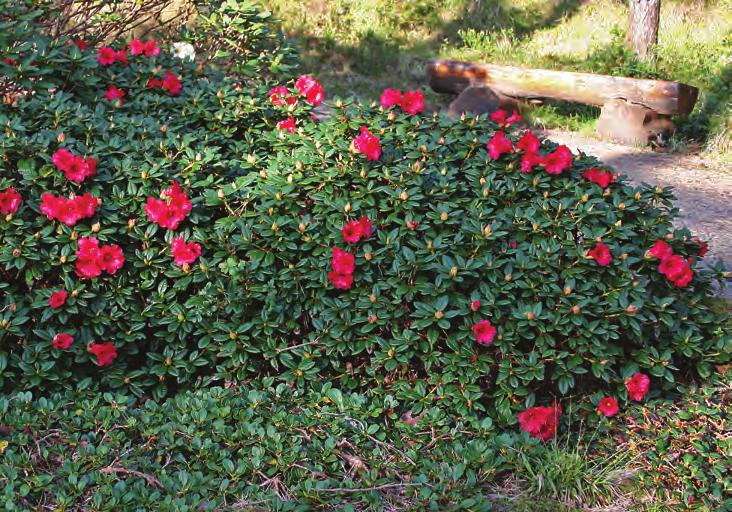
x: 170, y: 223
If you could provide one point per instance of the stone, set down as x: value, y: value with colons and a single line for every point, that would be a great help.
x: 479, y: 100
x: 632, y: 124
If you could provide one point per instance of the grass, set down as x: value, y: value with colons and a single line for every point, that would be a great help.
x: 362, y: 46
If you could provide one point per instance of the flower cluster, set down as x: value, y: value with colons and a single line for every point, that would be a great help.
x: 149, y: 48
x: 310, y: 88
x: 502, y: 118
x: 9, y: 201
x: 281, y: 96
x: 58, y: 299
x: 608, y: 407
x: 113, y: 93
x: 106, y: 55
x: 601, y: 254
x: 676, y: 268
x: 638, y: 386
x: 355, y: 230
x: 343, y: 264
x: 484, y: 331
x: 62, y: 341
x: 170, y: 83
x: 411, y: 102
x: 287, y: 125
x: 602, y: 177
x: 555, y: 162
x: 92, y: 259
x: 171, y: 210
x: 104, y: 352
x: 368, y: 144
x: 71, y: 210
x: 541, y: 422
x: 76, y: 168
x: 184, y: 253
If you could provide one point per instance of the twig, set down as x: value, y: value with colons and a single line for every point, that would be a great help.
x: 151, y: 480
x: 367, y: 489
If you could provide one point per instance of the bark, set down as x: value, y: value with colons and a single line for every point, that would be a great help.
x: 643, y: 26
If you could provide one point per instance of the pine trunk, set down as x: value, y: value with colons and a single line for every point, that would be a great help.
x: 643, y: 26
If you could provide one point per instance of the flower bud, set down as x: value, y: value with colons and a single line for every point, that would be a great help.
x: 441, y: 141
x: 164, y: 128
x: 74, y: 235
x: 339, y: 103
x: 575, y: 309
x: 262, y: 173
x: 251, y: 159
x: 631, y: 309
x: 373, y: 319
x: 621, y: 206
x: 275, y: 227
x: 62, y: 259
x: 404, y: 196
x: 529, y: 315
x: 439, y: 315
x: 368, y: 256
x: 483, y: 181
x: 278, y: 196
x: 453, y: 271
x: 475, y: 305
x: 8, y: 217
x: 74, y: 293
x: 637, y: 196
x: 13, y: 307
x: 363, y: 173
x: 444, y: 216
x: 60, y: 137
x: 290, y: 179
x: 488, y: 230
x: 347, y: 208
x: 508, y: 277
x: 4, y: 323
x: 606, y: 192
x: 181, y: 317
x: 585, y: 198
x: 567, y: 290
x: 372, y: 297
x: 220, y: 193
x: 301, y: 227
x: 486, y: 192
x: 16, y: 253
x: 131, y: 223
x: 535, y: 182
x: 96, y: 227
x: 143, y: 175
x: 186, y: 268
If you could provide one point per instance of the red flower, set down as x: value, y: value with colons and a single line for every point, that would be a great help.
x: 608, y: 406
x: 529, y: 143
x: 484, y: 332
x: 343, y: 262
x: 11, y: 62
x: 280, y: 96
x: 601, y: 254
x: 390, y: 97
x: 9, y: 201
x: 105, y: 352
x: 149, y: 48
x: 87, y: 258
x: 673, y: 266
x: 684, y: 278
x: 62, y: 341
x: 58, y: 299
x: 368, y: 144
x: 310, y: 88
x: 412, y: 102
x: 121, y: 55
x: 365, y: 226
x: 529, y: 161
x: 172, y: 83
x: 540, y: 422
x: 660, y: 250
x: 498, y: 145
x: 475, y: 306
x: 111, y: 258
x: 287, y: 125
x: 106, y: 56
x: 69, y: 211
x: 81, y: 45
x: 638, y: 386
x: 74, y: 167
x: 184, y: 252
x: 602, y: 177
x: 340, y: 281
x: 169, y: 214
x: 352, y: 232
x: 86, y: 205
x: 499, y: 116
x: 703, y: 246
x: 558, y: 161
x: 113, y: 93
x: 515, y: 118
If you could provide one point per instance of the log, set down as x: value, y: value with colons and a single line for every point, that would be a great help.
x: 661, y: 96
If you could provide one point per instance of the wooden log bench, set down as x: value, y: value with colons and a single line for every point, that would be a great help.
x: 633, y: 111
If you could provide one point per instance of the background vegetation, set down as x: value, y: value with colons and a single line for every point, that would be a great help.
x: 360, y: 47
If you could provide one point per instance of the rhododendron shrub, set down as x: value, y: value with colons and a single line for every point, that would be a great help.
x: 378, y: 250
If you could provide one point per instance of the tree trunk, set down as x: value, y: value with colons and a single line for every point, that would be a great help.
x: 643, y: 26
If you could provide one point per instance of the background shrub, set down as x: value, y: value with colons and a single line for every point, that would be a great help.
x: 451, y: 226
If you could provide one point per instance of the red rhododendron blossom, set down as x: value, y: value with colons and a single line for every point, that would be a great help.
x: 281, y: 96
x: 69, y: 211
x: 499, y: 116
x: 9, y: 201
x: 683, y: 279
x: 390, y: 97
x: 57, y: 299
x: 529, y: 143
x: 602, y: 177
x: 287, y: 125
x: 105, y: 353
x: 484, y: 332
x: 184, y: 252
x: 540, y: 422
x: 366, y: 226
x: 74, y: 167
x: 62, y: 341
x: 498, y: 145
x: 608, y: 406
x: 412, y: 102
x: 368, y: 144
x: 111, y: 258
x: 113, y: 93
x: 529, y: 161
x: 80, y: 44
x: 149, y: 48
x: 601, y: 254
x: 340, y: 281
x: 475, y: 305
x: 169, y: 214
x: 515, y: 118
x: 87, y: 258
x: 310, y: 88
x: 673, y: 266
x: 660, y: 250
x: 638, y: 386
x: 11, y: 62
x: 106, y: 56
x: 343, y: 262
x: 558, y: 161
x: 172, y: 83
x: 703, y: 246
x: 352, y: 232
